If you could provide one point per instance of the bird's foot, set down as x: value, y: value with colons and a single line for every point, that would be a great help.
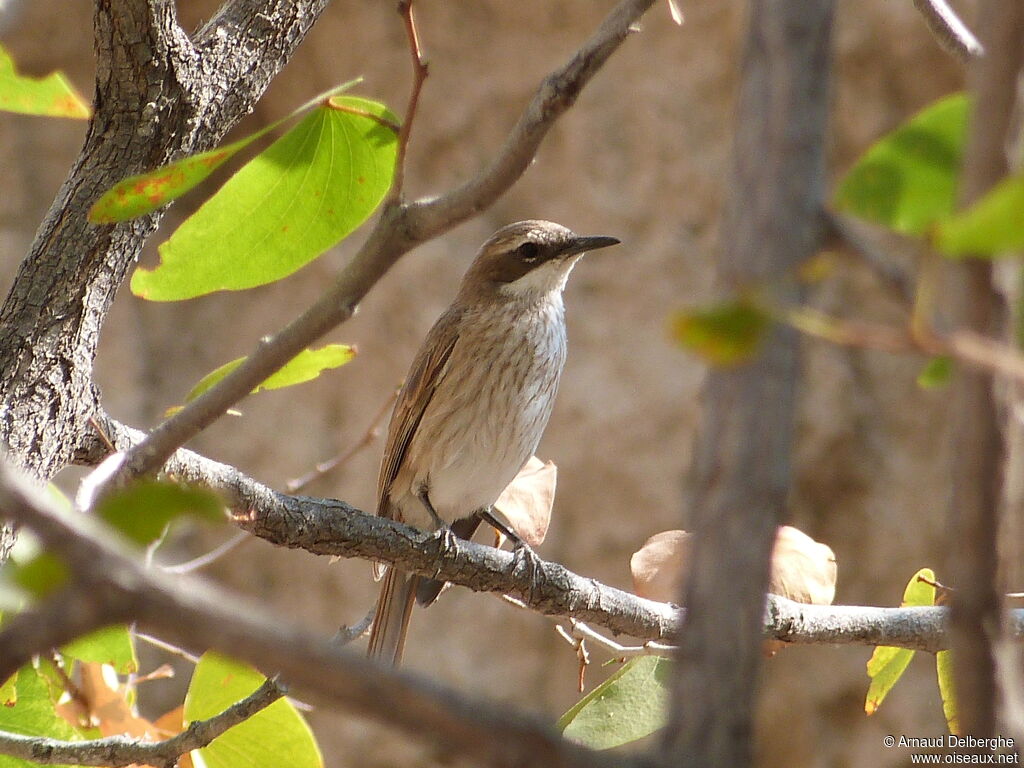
x: 446, y: 543
x: 524, y: 557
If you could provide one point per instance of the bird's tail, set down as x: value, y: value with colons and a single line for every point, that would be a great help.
x: 391, y: 621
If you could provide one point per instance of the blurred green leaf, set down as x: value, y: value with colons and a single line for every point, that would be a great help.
x: 51, y: 96
x: 111, y: 645
x: 288, y: 205
x: 908, y: 179
x: 725, y: 334
x: 145, y: 192
x: 305, y: 366
x: 9, y: 691
x: 944, y: 672
x: 629, y: 705
x: 39, y: 576
x: 144, y: 509
x: 887, y: 664
x: 994, y: 225
x: 273, y: 737
x: 33, y: 714
x: 936, y: 373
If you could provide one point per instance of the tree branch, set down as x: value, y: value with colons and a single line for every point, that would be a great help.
x: 950, y: 32
x: 117, y: 751
x: 978, y: 455
x: 336, y: 529
x: 741, y: 473
x: 399, y: 228
x: 111, y: 585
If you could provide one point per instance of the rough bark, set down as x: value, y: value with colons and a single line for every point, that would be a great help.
x: 158, y: 96
x: 978, y: 450
x: 741, y: 474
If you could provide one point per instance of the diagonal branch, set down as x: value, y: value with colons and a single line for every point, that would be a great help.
x: 399, y: 228
x: 950, y: 32
x: 117, y: 751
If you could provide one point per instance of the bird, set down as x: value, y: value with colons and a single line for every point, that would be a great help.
x: 475, y: 402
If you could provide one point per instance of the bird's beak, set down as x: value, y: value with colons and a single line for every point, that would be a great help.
x: 581, y: 244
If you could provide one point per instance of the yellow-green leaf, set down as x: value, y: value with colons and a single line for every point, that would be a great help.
x: 993, y: 226
x: 725, y: 334
x: 145, y: 192
x: 112, y: 645
x: 944, y: 672
x: 305, y: 366
x: 145, y: 508
x: 908, y: 179
x: 273, y: 737
x: 51, y: 96
x: 629, y: 705
x: 887, y: 664
x: 289, y: 204
x: 936, y: 373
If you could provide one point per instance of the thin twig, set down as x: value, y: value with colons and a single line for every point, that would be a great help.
x: 347, y: 634
x: 390, y: 125
x: 156, y: 642
x: 650, y: 648
x: 117, y: 751
x: 845, y: 230
x: 372, y: 433
x: 210, y: 557
x: 965, y: 346
x: 950, y: 32
x: 420, y: 70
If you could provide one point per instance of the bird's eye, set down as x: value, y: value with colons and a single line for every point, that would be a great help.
x: 528, y: 251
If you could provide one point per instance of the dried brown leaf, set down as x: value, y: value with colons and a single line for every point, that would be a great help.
x: 802, y: 569
x: 526, y: 502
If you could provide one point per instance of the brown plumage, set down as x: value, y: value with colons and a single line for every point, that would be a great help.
x: 476, y: 400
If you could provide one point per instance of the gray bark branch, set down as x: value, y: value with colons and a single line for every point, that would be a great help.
x: 111, y: 585
x: 118, y: 751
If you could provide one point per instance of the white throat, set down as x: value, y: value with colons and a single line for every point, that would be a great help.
x: 549, y: 277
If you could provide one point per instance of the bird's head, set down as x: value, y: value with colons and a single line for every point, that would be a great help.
x: 528, y: 259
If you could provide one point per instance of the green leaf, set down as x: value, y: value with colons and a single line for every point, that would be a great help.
x: 9, y: 691
x: 908, y: 180
x: 145, y: 192
x: 33, y: 714
x: 994, y: 225
x: 944, y: 672
x: 288, y: 205
x: 305, y: 366
x: 112, y: 645
x: 936, y: 373
x: 629, y: 705
x: 726, y: 334
x: 275, y: 736
x: 39, y: 576
x: 144, y: 509
x: 52, y: 96
x: 887, y: 664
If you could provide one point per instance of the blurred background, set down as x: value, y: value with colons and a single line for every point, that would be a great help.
x: 643, y: 156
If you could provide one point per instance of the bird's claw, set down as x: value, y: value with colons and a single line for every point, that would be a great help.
x: 524, y: 557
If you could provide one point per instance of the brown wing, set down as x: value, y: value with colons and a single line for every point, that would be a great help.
x: 424, y: 375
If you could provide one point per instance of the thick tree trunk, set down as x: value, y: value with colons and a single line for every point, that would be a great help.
x: 741, y: 473
x: 978, y: 450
